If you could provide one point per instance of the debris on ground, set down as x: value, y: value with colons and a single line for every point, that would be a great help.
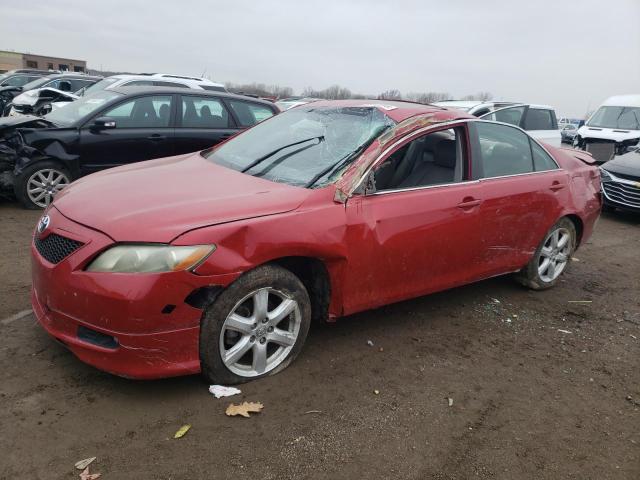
x: 495, y: 300
x: 313, y: 411
x: 564, y: 331
x: 244, y: 408
x: 182, y: 431
x: 220, y: 391
x: 376, y: 392
x: 381, y: 349
x: 450, y: 401
x: 82, y: 464
x: 370, y: 343
x: 575, y: 259
x: 580, y: 301
x: 86, y: 475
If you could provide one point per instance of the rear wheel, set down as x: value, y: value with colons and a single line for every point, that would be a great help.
x: 551, y: 257
x: 38, y: 184
x: 256, y: 327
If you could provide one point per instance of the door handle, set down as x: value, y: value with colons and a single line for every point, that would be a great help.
x: 555, y: 186
x: 468, y: 203
x: 156, y: 137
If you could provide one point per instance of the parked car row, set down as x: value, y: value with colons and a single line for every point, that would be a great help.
x: 116, y: 126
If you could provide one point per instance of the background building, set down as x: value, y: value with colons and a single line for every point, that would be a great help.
x: 14, y: 60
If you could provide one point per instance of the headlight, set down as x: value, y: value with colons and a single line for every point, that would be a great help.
x: 150, y: 258
x: 604, y: 175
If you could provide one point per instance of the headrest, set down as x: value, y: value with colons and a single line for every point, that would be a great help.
x: 445, y: 154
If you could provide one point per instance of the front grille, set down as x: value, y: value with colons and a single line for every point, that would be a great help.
x: 602, y: 152
x: 622, y: 193
x: 54, y: 248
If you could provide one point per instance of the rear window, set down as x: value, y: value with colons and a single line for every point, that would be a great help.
x: 250, y: 113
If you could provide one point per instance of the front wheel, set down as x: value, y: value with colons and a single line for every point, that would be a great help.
x: 551, y: 257
x: 256, y: 327
x: 36, y: 186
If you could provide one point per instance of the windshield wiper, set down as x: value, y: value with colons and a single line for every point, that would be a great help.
x: 271, y: 154
x: 346, y: 159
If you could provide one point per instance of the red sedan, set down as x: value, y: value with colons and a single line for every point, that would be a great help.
x: 218, y: 261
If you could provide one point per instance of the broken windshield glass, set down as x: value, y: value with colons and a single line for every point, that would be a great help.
x: 281, y: 149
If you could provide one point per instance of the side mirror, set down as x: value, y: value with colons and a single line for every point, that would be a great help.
x: 103, y: 123
x: 45, y: 109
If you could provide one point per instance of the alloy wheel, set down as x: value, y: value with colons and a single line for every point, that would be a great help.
x: 554, y: 254
x: 44, y: 184
x: 260, y: 332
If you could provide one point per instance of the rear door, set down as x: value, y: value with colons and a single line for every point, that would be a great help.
x: 202, y: 121
x: 144, y: 130
x: 523, y: 192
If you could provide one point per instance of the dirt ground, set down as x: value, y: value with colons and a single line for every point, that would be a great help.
x: 542, y: 388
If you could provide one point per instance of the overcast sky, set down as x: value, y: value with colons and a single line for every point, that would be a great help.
x: 568, y: 53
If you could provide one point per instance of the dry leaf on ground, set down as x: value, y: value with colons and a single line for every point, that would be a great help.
x: 182, y: 431
x: 244, y: 409
x: 82, y: 464
x: 85, y: 475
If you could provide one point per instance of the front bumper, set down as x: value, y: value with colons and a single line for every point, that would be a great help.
x: 131, y: 325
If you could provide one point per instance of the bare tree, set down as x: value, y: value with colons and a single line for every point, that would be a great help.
x: 480, y: 96
x: 390, y: 95
x: 427, y: 97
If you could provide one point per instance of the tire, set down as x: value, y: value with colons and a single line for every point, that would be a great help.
x: 231, y: 325
x: 45, y: 174
x: 534, y: 275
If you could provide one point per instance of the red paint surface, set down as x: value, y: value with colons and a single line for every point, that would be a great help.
x: 377, y: 249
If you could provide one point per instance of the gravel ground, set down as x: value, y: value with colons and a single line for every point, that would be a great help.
x: 541, y: 388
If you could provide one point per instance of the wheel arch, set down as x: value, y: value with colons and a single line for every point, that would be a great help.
x: 314, y: 275
x: 578, y: 224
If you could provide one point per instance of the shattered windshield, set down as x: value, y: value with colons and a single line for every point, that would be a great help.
x: 306, y: 146
x: 68, y: 114
x: 627, y: 118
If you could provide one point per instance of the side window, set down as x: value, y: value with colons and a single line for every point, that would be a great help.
x: 433, y: 159
x: 138, y: 83
x: 203, y: 112
x: 249, y: 113
x: 505, y: 150
x: 541, y: 159
x: 142, y: 112
x: 539, y: 119
x: 512, y: 115
x: 77, y: 84
x: 158, y: 83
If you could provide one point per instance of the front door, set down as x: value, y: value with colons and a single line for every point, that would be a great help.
x: 419, y: 231
x: 143, y: 131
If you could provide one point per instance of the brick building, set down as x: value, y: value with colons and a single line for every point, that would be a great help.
x: 15, y: 60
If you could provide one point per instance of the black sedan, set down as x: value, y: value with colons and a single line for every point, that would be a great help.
x: 621, y: 181
x: 40, y: 156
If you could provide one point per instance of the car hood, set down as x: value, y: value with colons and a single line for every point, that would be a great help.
x: 627, y: 164
x: 23, y: 121
x: 158, y: 200
x: 601, y: 133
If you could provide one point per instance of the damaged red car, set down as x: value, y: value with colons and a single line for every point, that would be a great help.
x: 218, y: 261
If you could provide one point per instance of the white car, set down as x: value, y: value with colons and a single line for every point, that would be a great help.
x: 613, y: 129
x: 538, y: 120
x: 156, y: 80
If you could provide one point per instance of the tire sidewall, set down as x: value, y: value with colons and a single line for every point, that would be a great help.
x: 214, y: 316
x: 20, y: 184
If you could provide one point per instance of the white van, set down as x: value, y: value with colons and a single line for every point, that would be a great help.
x: 612, y: 130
